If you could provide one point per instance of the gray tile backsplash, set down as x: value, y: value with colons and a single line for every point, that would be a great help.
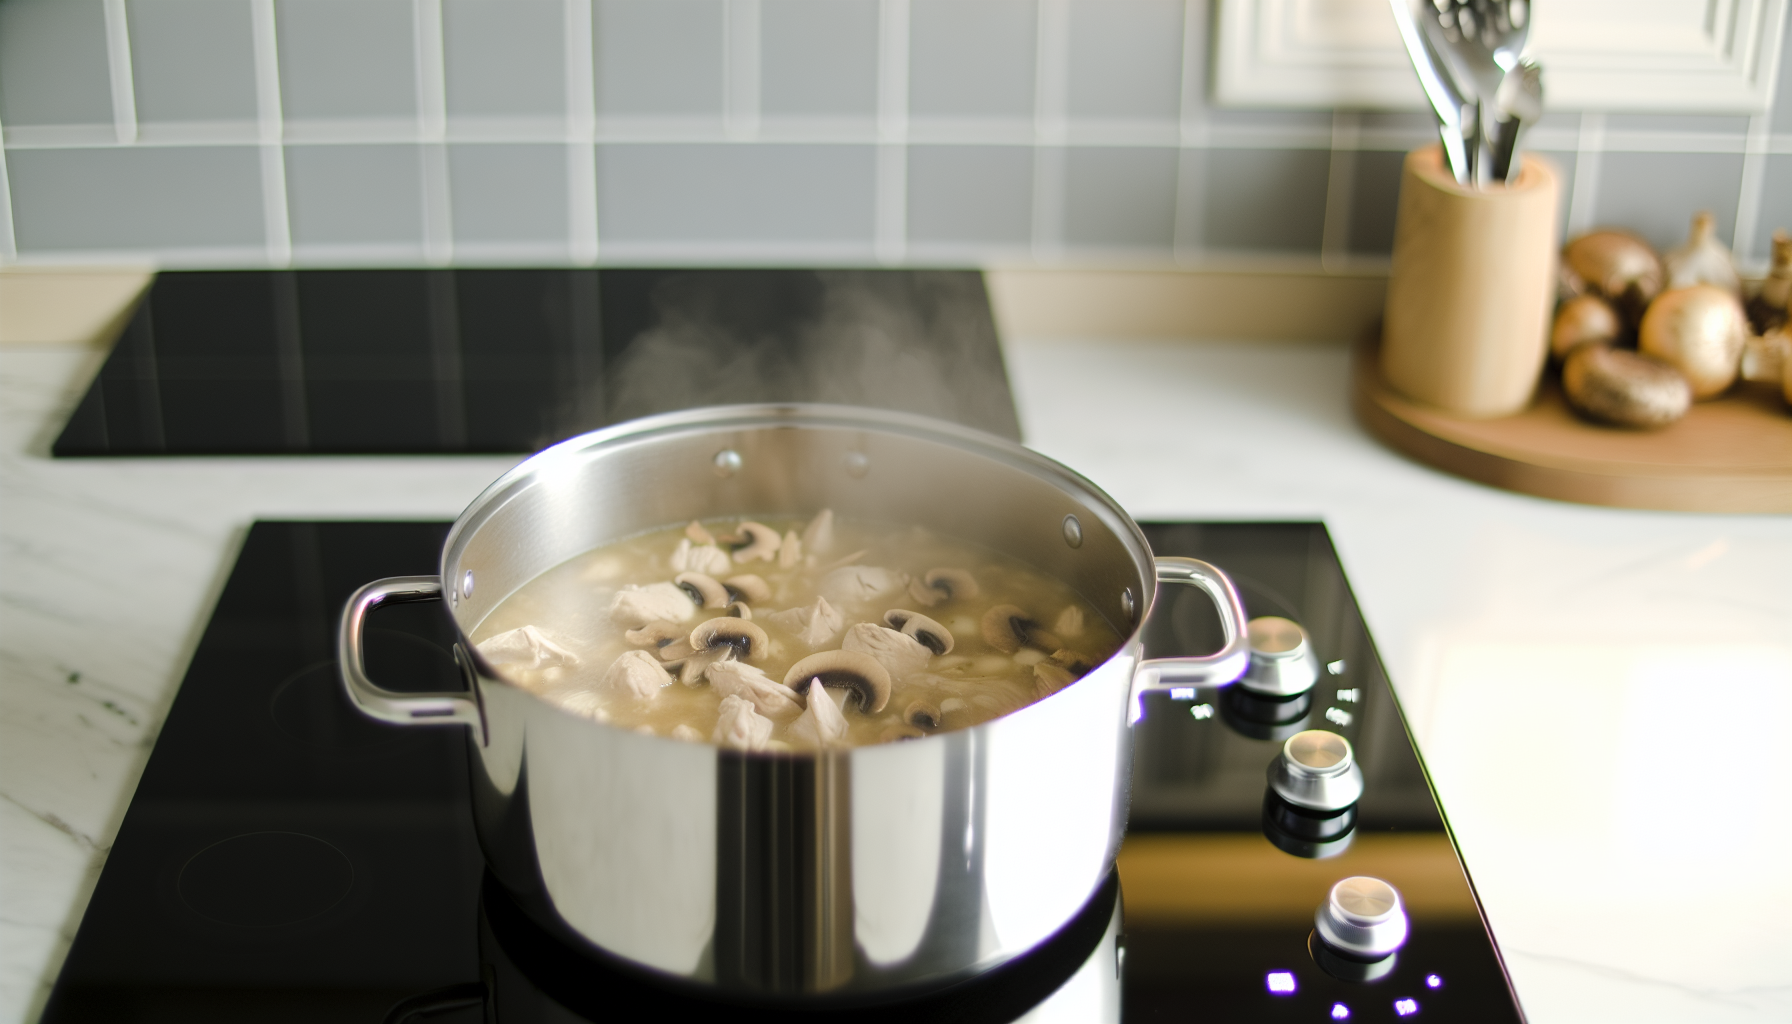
x: 347, y: 60
x: 113, y: 199
x: 818, y: 58
x: 192, y: 60
x: 53, y: 63
x: 1125, y: 60
x: 268, y: 132
x: 504, y: 59
x: 972, y: 58
x: 659, y: 57
x: 345, y: 195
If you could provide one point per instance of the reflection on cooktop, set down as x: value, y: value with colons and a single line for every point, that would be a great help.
x: 417, y: 361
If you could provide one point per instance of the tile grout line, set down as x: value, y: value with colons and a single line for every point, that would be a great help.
x: 1754, y: 183
x: 1583, y: 200
x: 581, y: 146
x: 9, y: 242
x: 118, y: 64
x: 890, y: 228
x: 1340, y: 191
x: 741, y: 27
x: 1051, y: 73
x: 275, y: 213
x: 432, y: 126
x: 1191, y: 133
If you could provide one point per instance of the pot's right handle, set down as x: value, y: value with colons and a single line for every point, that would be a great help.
x: 374, y: 700
x: 1222, y: 666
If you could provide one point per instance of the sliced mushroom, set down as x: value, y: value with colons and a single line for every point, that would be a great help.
x: 656, y: 634
x: 635, y: 675
x: 694, y: 665
x: 525, y: 647
x: 922, y: 715
x: 749, y: 641
x: 761, y: 543
x: 740, y: 726
x: 1072, y: 660
x: 853, y: 670
x: 932, y: 635
x: 1008, y: 629
x: 704, y: 591
x: 818, y: 536
x: 816, y: 625
x: 749, y: 588
x: 938, y: 586
x: 772, y: 698
x: 900, y: 655
x: 656, y: 602
x: 739, y: 610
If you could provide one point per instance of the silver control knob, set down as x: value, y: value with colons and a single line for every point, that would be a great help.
x: 1282, y: 660
x: 1363, y: 917
x: 1317, y: 770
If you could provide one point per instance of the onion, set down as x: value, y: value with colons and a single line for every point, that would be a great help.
x: 1618, y: 386
x: 1768, y: 309
x: 1702, y: 259
x: 1698, y: 331
x: 1583, y: 320
x: 1614, y: 265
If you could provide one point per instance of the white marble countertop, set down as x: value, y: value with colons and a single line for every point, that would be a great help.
x: 1597, y: 692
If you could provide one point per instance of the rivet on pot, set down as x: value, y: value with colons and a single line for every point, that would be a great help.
x: 1129, y: 607
x: 1073, y: 532
x: 466, y: 584
x: 727, y: 462
x: 857, y: 464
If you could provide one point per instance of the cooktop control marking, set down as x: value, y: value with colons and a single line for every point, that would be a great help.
x: 1202, y: 711
x: 1182, y: 693
x: 1433, y: 981
x: 1281, y: 983
x: 1340, y: 1011
x: 1338, y: 716
x: 1350, y: 696
x: 1406, y: 1007
x: 1336, y: 668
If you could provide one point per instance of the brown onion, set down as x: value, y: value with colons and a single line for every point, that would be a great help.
x: 1583, y: 320
x: 1614, y: 265
x: 1698, y: 331
x: 1618, y: 386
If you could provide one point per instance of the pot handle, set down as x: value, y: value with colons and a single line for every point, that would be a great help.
x: 374, y: 700
x: 1221, y: 667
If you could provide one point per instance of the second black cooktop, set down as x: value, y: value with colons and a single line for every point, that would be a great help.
x: 455, y: 360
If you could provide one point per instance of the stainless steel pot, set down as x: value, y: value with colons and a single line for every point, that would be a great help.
x: 844, y: 875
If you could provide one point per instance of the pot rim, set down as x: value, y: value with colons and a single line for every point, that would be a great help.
x: 801, y: 415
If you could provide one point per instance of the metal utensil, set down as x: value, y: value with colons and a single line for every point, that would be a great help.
x: 1455, y: 118
x: 1520, y: 103
x: 1480, y: 42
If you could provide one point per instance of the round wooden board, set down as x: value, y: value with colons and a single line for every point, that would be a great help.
x: 1731, y: 454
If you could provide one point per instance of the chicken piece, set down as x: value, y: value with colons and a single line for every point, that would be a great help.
x: 822, y: 724
x: 816, y: 625
x: 741, y: 727
x: 525, y: 647
x: 769, y: 697
x: 635, y: 607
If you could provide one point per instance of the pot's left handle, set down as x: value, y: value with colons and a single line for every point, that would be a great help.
x: 1222, y: 666
x: 374, y: 700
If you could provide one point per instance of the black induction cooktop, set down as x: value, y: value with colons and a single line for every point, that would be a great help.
x: 459, y: 360
x: 286, y: 859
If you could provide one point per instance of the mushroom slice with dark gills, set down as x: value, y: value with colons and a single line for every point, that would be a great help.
x: 856, y: 671
x: 635, y: 675
x: 922, y: 715
x: 740, y: 726
x: 932, y: 635
x: 736, y: 679
x: 900, y: 655
x: 739, y: 610
x: 1072, y: 660
x: 821, y: 724
x: 815, y: 625
x: 748, y: 641
x: 1008, y: 629
x: 761, y: 543
x: 938, y: 586
x: 657, y: 602
x: 704, y: 591
x: 749, y: 588
x: 669, y: 639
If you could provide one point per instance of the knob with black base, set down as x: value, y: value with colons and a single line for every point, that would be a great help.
x: 1283, y: 662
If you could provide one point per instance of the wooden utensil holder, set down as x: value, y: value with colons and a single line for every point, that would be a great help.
x: 1466, y: 326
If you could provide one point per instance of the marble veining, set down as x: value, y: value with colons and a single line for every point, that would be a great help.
x: 1595, y: 691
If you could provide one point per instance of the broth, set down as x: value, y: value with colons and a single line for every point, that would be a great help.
x: 694, y: 631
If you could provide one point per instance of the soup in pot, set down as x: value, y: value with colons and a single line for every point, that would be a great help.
x: 792, y: 635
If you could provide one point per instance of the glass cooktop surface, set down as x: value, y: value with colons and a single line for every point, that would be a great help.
x: 286, y: 859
